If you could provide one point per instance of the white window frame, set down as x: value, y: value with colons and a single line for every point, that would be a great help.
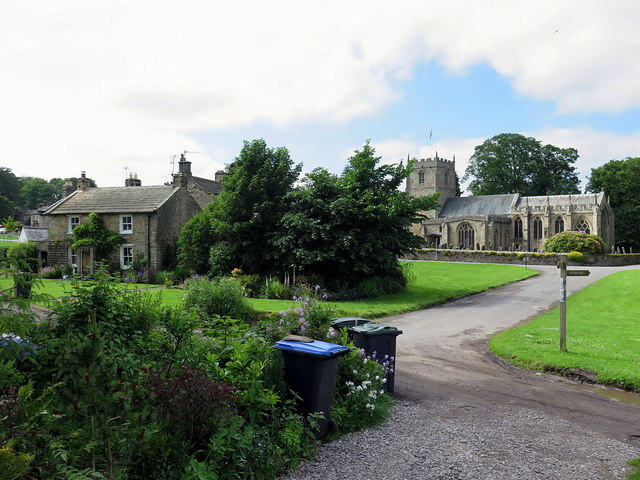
x: 71, y: 224
x: 126, y: 253
x: 128, y: 224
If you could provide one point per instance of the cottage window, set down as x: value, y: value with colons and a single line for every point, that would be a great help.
x: 537, y: 229
x: 126, y: 224
x: 73, y: 223
x: 559, y: 225
x: 126, y: 256
x: 583, y: 226
x: 517, y: 228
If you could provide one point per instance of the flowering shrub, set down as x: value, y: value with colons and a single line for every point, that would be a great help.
x: 309, y: 317
x: 577, y: 257
x: 575, y: 242
x: 360, y: 400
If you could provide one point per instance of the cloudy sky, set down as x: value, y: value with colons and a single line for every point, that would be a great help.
x: 109, y: 85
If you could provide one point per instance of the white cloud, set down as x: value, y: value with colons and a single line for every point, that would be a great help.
x: 102, y: 84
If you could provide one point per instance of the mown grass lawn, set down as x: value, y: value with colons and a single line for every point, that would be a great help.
x: 433, y: 283
x: 603, y: 334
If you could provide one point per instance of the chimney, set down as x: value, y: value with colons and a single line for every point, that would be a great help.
x: 132, y: 181
x: 184, y: 166
x: 83, y: 181
x: 220, y: 175
x: 68, y: 189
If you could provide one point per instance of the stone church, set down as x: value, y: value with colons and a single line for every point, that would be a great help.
x: 502, y: 222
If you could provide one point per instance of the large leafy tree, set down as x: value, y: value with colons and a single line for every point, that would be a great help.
x: 513, y: 163
x: 349, y: 229
x: 36, y: 192
x: 620, y: 180
x: 242, y: 220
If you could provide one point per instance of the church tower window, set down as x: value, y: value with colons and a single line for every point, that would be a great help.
x: 420, y: 177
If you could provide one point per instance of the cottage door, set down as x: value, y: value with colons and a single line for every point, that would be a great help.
x: 86, y: 261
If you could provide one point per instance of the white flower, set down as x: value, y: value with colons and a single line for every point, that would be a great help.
x: 370, y: 406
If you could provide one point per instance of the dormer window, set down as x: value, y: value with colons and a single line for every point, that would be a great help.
x: 126, y: 224
x: 73, y: 223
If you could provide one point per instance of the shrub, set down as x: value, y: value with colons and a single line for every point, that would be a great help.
x: 360, y: 400
x: 51, y: 272
x: 575, y: 242
x: 577, y: 257
x: 167, y: 279
x: 274, y: 288
x: 190, y: 403
x: 221, y: 297
x: 24, y: 257
x: 310, y: 317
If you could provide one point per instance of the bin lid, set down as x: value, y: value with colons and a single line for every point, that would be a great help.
x: 315, y: 348
x: 375, y: 328
x: 342, y: 322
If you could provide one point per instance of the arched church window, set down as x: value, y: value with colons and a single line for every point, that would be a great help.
x: 559, y: 226
x: 466, y: 235
x: 517, y: 228
x: 537, y: 228
x: 583, y: 226
x: 420, y: 177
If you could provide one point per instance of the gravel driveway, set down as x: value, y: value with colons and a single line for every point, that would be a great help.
x: 463, y: 414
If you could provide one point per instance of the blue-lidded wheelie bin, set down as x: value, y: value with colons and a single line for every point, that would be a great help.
x: 310, y: 370
x: 378, y: 338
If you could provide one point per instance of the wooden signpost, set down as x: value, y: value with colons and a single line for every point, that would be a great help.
x: 564, y: 273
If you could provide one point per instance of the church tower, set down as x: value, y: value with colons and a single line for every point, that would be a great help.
x: 431, y: 175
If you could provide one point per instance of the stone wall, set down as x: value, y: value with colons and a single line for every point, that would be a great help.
x: 519, y: 258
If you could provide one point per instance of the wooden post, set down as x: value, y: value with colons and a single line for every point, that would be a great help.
x: 562, y: 265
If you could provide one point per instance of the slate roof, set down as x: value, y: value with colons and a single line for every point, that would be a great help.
x: 34, y: 234
x: 113, y: 200
x: 582, y: 199
x: 209, y: 186
x: 480, y: 205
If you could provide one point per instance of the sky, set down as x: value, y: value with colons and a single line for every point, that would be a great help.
x: 116, y: 87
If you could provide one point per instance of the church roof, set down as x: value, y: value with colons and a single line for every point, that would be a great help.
x: 113, y: 200
x: 560, y: 200
x: 479, y: 205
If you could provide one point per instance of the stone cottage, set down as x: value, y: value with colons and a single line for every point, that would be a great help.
x: 148, y: 218
x: 502, y: 222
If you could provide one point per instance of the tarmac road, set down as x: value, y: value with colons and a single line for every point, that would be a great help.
x: 464, y: 414
x: 443, y: 352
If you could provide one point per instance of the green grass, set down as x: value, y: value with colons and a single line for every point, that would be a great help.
x: 603, y: 334
x: 434, y: 283
x: 52, y: 289
x: 635, y: 473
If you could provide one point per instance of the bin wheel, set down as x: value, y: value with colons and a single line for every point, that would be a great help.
x: 333, y: 426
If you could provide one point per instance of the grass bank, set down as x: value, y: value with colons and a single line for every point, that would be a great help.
x: 432, y: 283
x: 603, y: 334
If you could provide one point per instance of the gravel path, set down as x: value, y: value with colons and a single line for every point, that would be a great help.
x: 450, y: 440
x: 463, y: 415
